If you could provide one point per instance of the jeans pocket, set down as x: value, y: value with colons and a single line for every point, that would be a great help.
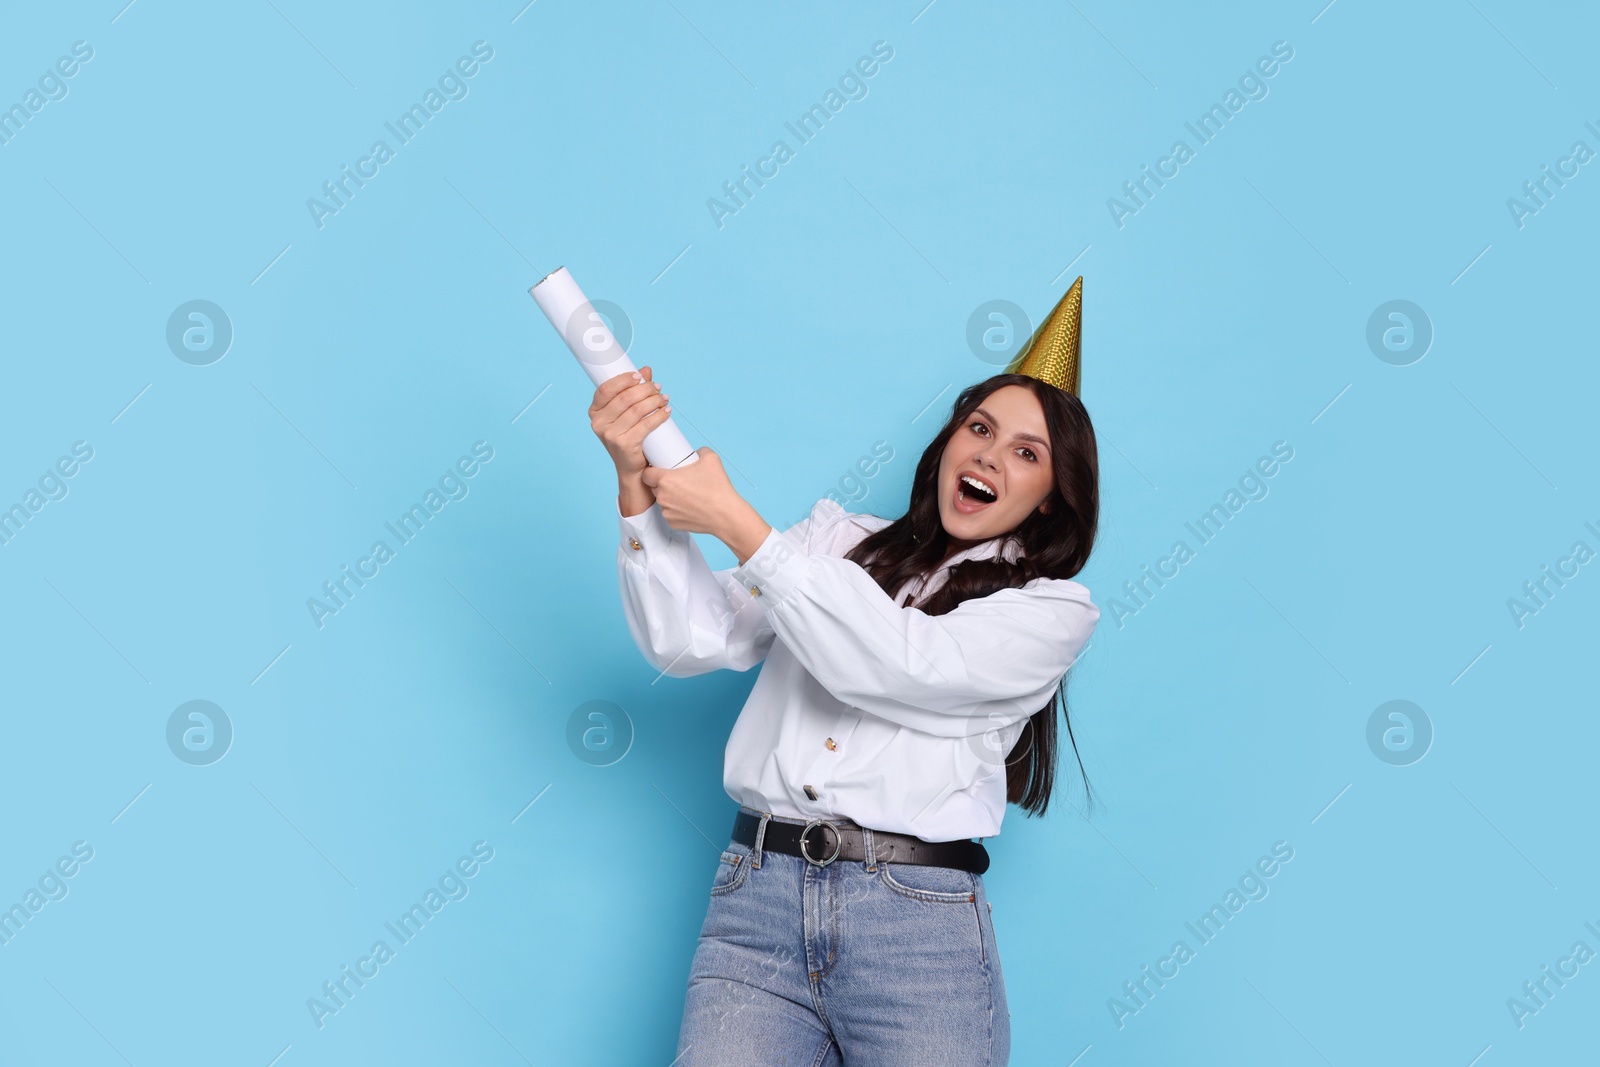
x: 939, y: 885
x: 732, y: 869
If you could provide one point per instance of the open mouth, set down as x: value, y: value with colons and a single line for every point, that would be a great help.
x: 971, y: 496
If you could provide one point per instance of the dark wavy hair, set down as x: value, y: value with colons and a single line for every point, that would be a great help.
x: 1054, y: 545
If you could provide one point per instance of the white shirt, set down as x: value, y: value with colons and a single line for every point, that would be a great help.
x: 905, y: 698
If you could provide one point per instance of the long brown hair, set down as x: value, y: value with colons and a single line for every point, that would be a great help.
x: 1054, y: 545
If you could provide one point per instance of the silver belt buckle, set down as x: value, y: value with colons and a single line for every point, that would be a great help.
x: 838, y: 842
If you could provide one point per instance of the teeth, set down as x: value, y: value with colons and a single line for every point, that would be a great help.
x: 970, y: 480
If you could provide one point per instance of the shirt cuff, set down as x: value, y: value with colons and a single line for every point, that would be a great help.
x: 643, y: 532
x: 774, y: 570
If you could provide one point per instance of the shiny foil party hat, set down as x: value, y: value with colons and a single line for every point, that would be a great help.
x: 1052, y: 353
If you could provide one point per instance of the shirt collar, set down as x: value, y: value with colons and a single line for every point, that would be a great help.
x: 1007, y: 545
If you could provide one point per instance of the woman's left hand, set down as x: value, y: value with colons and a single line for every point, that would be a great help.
x: 697, y: 498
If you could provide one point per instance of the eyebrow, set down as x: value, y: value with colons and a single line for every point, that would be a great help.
x: 1021, y: 435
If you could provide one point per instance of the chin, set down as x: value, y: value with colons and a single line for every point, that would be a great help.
x: 966, y: 528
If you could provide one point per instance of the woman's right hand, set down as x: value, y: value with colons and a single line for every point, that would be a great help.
x: 623, y: 414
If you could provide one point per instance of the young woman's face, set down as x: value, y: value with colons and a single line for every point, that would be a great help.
x: 1006, y: 446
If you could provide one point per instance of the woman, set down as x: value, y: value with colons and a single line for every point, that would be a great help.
x: 908, y: 693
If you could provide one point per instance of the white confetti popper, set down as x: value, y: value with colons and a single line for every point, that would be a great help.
x: 602, y: 358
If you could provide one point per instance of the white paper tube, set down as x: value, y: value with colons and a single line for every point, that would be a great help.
x: 587, y: 335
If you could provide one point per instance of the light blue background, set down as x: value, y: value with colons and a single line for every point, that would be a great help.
x: 1228, y: 314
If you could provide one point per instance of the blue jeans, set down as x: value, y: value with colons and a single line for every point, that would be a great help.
x: 861, y: 964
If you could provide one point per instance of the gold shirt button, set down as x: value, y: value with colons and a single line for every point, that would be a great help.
x: 635, y: 543
x: 831, y: 746
x: 755, y: 590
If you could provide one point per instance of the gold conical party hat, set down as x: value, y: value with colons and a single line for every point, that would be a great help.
x: 1052, y: 353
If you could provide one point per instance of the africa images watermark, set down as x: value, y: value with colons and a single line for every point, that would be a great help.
x: 1210, y: 123
x: 52, y: 886
x: 1537, y: 993
x: 852, y: 86
x: 853, y: 488
x: 52, y: 486
x: 1252, y: 486
x: 1252, y: 886
x: 854, y: 485
x: 452, y: 85
x: 1538, y: 190
x: 339, y: 991
x: 1541, y: 590
x: 452, y: 486
x: 52, y: 88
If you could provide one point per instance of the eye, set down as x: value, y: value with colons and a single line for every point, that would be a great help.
x: 1032, y: 457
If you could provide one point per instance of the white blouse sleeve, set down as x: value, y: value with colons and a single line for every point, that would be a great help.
x: 991, y: 662
x: 686, y: 618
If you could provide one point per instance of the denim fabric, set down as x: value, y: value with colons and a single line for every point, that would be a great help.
x: 856, y: 964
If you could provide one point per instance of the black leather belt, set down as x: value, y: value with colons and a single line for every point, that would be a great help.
x: 821, y: 841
